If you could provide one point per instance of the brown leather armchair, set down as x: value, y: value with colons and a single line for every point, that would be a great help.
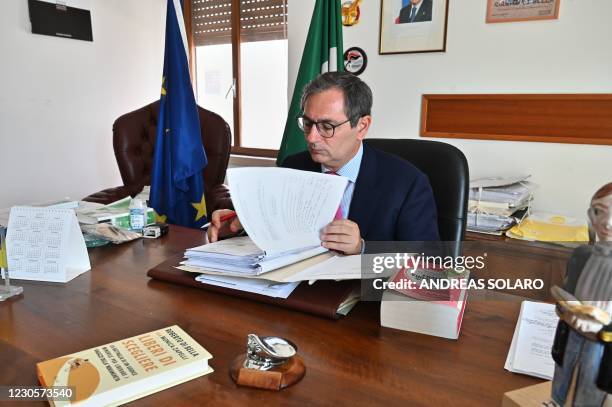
x: 134, y: 136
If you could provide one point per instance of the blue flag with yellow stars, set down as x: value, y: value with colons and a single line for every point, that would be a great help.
x: 177, y: 185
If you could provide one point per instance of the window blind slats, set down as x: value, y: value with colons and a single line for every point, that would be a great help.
x: 260, y: 20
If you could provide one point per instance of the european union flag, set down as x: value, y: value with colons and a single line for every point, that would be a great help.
x: 177, y: 185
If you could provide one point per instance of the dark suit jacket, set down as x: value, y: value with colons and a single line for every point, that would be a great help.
x: 392, y: 200
x: 424, y: 13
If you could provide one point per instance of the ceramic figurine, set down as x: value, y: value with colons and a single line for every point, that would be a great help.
x: 582, y: 349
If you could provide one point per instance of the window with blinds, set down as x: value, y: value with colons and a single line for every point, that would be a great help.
x: 260, y: 20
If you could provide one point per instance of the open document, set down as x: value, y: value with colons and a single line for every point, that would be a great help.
x: 283, y: 212
x: 532, y: 340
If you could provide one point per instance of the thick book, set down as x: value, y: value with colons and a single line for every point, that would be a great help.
x: 328, y: 299
x: 436, y: 318
x: 125, y: 370
x: 428, y: 301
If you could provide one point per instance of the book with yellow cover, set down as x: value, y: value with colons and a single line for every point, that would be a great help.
x: 128, y: 369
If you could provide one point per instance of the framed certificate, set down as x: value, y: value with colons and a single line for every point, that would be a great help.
x: 503, y: 11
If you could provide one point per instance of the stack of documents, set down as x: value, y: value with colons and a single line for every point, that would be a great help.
x: 498, y: 203
x: 283, y: 212
x: 257, y: 286
x: 240, y: 255
x: 530, y: 350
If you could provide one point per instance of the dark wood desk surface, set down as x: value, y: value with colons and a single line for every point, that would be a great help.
x: 352, y: 361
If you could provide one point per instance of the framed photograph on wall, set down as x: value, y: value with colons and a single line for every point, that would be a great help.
x: 505, y: 11
x: 408, y: 26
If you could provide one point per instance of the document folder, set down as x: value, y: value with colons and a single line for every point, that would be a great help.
x: 322, y: 298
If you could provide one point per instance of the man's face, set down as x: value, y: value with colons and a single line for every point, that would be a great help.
x: 600, y: 215
x: 415, y: 2
x: 333, y: 152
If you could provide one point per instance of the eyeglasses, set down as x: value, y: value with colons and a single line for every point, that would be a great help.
x: 325, y: 129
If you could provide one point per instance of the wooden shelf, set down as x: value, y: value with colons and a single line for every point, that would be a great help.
x: 550, y: 118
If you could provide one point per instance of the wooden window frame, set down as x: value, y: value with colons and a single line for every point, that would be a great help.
x: 237, y: 148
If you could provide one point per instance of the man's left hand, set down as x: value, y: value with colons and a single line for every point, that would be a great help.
x: 342, y: 235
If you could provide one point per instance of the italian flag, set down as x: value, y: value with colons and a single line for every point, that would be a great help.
x: 322, y: 53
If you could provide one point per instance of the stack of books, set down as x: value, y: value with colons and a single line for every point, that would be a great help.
x: 498, y: 203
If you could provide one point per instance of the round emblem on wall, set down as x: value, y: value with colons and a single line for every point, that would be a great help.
x: 355, y: 60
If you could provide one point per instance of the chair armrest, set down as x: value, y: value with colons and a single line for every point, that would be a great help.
x: 108, y: 195
x: 218, y: 197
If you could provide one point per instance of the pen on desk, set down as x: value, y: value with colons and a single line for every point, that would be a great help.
x: 226, y: 217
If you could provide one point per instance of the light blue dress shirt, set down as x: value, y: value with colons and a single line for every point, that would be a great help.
x: 350, y: 170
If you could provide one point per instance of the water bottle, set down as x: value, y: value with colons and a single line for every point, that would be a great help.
x: 138, y: 215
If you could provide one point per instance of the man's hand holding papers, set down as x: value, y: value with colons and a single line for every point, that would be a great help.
x: 284, y: 212
x: 223, y: 222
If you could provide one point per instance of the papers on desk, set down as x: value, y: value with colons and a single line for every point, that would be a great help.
x: 532, y: 341
x: 116, y: 213
x: 283, y: 212
x: 494, y: 224
x: 257, y: 286
x: 240, y: 255
x: 498, y: 203
x: 501, y: 192
x: 325, y: 266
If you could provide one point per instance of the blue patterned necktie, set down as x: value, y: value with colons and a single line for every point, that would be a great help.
x: 412, y: 14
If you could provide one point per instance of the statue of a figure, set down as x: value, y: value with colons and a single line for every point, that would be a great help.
x: 582, y: 349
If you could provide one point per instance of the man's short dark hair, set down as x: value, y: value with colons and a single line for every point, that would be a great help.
x: 357, y: 94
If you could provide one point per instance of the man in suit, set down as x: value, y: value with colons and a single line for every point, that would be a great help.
x: 415, y: 12
x: 387, y: 198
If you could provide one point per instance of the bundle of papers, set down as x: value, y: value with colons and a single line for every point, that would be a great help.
x: 325, y: 266
x: 530, y: 350
x: 497, y: 203
x: 252, y: 285
x: 494, y: 224
x: 283, y: 212
x: 241, y: 255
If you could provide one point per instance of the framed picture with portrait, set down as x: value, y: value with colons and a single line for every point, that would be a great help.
x: 408, y: 26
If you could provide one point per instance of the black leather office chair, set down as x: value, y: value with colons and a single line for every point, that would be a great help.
x: 448, y: 173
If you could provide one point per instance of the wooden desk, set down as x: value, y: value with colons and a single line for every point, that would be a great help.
x: 352, y: 361
x: 519, y: 259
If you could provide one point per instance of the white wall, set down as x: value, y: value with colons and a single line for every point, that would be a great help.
x: 59, y: 97
x: 568, y: 55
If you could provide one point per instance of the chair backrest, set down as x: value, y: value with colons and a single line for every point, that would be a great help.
x: 134, y: 136
x: 448, y: 173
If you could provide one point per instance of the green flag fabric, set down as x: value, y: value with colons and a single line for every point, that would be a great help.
x: 322, y: 53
